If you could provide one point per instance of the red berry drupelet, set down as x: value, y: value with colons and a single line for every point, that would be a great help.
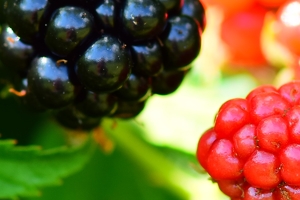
x: 253, y: 150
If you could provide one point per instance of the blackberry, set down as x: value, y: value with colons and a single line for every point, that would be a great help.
x: 68, y: 27
x: 129, y: 109
x: 167, y: 82
x: 172, y: 5
x: 143, y: 19
x: 105, y: 14
x: 147, y: 58
x: 195, y: 9
x: 97, y: 104
x: 50, y: 82
x: 71, y: 118
x: 105, y: 66
x: 13, y: 52
x: 181, y: 41
x: 25, y: 17
x: 88, y: 59
x: 30, y: 99
x: 136, y: 88
x: 82, y: 3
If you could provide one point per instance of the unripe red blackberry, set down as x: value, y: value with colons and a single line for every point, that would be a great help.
x: 253, y: 149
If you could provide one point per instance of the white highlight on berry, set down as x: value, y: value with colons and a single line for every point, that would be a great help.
x: 291, y: 14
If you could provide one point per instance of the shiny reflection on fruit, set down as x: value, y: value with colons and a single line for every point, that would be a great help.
x: 291, y: 14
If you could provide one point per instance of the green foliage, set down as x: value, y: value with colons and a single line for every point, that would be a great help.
x: 134, y: 170
x: 24, y: 169
x: 109, y: 177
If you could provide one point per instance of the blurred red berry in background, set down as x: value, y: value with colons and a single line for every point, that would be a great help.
x: 271, y: 3
x: 229, y: 6
x: 287, y: 28
x: 241, y: 33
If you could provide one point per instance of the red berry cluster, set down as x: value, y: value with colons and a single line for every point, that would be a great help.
x: 244, y: 24
x: 253, y: 150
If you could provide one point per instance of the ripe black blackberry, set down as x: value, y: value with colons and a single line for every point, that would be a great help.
x: 13, y: 52
x: 50, y: 82
x: 88, y: 59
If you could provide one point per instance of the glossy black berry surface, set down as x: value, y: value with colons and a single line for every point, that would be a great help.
x: 143, y: 19
x: 172, y: 6
x: 182, y: 42
x: 105, y: 66
x: 30, y: 100
x: 195, y: 9
x: 87, y: 4
x: 50, y: 82
x: 97, y: 105
x: 106, y: 14
x: 136, y: 88
x: 147, y: 58
x: 83, y: 60
x: 14, y: 53
x: 71, y: 118
x: 167, y: 82
x: 25, y: 17
x: 68, y: 27
x: 129, y: 109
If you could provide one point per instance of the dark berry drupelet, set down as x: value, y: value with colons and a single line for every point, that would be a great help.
x: 136, y: 88
x: 25, y: 17
x: 172, y: 6
x: 182, y: 42
x: 97, y: 104
x: 167, y: 82
x: 128, y: 109
x: 147, y: 58
x: 106, y: 14
x: 88, y: 59
x: 195, y: 9
x: 105, y: 66
x: 67, y: 29
x: 71, y: 118
x: 14, y: 53
x: 143, y: 19
x: 30, y: 99
x: 50, y: 82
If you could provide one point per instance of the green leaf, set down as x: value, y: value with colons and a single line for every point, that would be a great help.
x: 108, y: 177
x: 24, y: 169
